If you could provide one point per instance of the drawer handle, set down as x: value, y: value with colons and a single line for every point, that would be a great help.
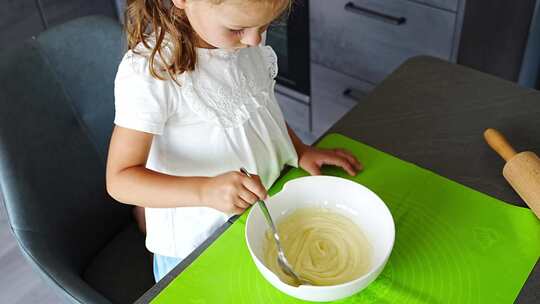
x: 351, y: 7
x: 354, y: 94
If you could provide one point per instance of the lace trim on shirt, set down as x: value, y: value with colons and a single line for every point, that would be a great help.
x: 225, y: 105
x: 229, y: 104
x: 271, y: 59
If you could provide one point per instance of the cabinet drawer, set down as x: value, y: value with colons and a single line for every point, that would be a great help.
x: 451, y: 5
x: 370, y: 47
x: 296, y: 114
x: 329, y: 99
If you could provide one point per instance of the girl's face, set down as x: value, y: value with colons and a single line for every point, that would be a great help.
x: 232, y: 24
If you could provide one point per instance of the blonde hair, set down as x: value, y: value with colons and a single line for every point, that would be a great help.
x: 154, y: 19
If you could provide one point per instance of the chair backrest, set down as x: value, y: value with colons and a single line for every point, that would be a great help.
x: 56, y: 116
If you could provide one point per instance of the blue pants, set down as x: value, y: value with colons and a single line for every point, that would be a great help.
x: 163, y: 264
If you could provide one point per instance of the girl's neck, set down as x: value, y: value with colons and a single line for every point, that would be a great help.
x: 200, y: 43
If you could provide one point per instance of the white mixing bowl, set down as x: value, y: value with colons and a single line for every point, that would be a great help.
x: 359, y: 203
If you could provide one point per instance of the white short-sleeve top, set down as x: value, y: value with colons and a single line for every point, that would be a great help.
x: 218, y: 118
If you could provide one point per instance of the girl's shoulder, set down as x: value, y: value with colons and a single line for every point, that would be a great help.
x: 135, y: 63
x: 134, y: 70
x: 137, y: 60
x: 143, y: 102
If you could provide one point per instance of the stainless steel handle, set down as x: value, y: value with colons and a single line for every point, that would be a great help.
x: 282, y: 259
x: 351, y: 7
x: 263, y: 207
x: 266, y: 214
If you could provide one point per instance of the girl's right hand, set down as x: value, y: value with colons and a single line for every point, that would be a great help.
x: 232, y: 192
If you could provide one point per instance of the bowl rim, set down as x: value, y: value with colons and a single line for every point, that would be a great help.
x: 346, y: 284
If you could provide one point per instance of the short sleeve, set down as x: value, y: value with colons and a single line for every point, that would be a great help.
x: 142, y: 102
x: 270, y: 58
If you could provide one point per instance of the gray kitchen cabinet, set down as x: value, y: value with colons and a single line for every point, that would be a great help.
x: 451, y: 5
x: 297, y: 114
x: 355, y: 44
x: 333, y: 94
x: 368, y: 39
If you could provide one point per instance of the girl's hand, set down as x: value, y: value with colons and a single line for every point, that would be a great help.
x: 232, y: 192
x: 311, y: 159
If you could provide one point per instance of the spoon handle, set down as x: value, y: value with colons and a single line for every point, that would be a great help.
x: 263, y: 207
x: 282, y: 259
x: 267, y: 215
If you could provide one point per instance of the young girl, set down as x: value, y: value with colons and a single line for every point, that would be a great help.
x: 194, y: 102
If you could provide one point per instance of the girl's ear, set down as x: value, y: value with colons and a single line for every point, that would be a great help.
x: 181, y: 4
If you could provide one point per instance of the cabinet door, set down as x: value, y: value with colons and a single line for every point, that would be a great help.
x: 19, y: 20
x: 368, y: 39
x: 60, y: 11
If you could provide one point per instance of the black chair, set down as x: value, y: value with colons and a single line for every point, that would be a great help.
x: 56, y: 117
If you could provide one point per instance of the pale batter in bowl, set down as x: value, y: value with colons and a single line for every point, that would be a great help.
x: 322, y: 245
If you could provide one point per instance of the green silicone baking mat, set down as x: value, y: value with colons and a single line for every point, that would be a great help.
x: 453, y: 244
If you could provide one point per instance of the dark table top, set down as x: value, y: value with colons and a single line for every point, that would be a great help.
x: 433, y: 113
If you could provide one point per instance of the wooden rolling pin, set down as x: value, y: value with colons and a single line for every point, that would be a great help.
x: 522, y: 170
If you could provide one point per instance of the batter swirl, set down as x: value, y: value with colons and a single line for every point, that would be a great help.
x: 321, y: 245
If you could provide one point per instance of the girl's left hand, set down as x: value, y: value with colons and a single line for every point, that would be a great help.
x: 311, y: 159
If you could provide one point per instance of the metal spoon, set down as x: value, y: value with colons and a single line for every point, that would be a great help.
x: 282, y: 260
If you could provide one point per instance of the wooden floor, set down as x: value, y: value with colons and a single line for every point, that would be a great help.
x: 19, y: 283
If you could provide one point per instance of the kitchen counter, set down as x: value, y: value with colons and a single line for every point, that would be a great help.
x: 433, y: 113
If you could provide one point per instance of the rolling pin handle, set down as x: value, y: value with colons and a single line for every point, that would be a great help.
x: 498, y: 142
